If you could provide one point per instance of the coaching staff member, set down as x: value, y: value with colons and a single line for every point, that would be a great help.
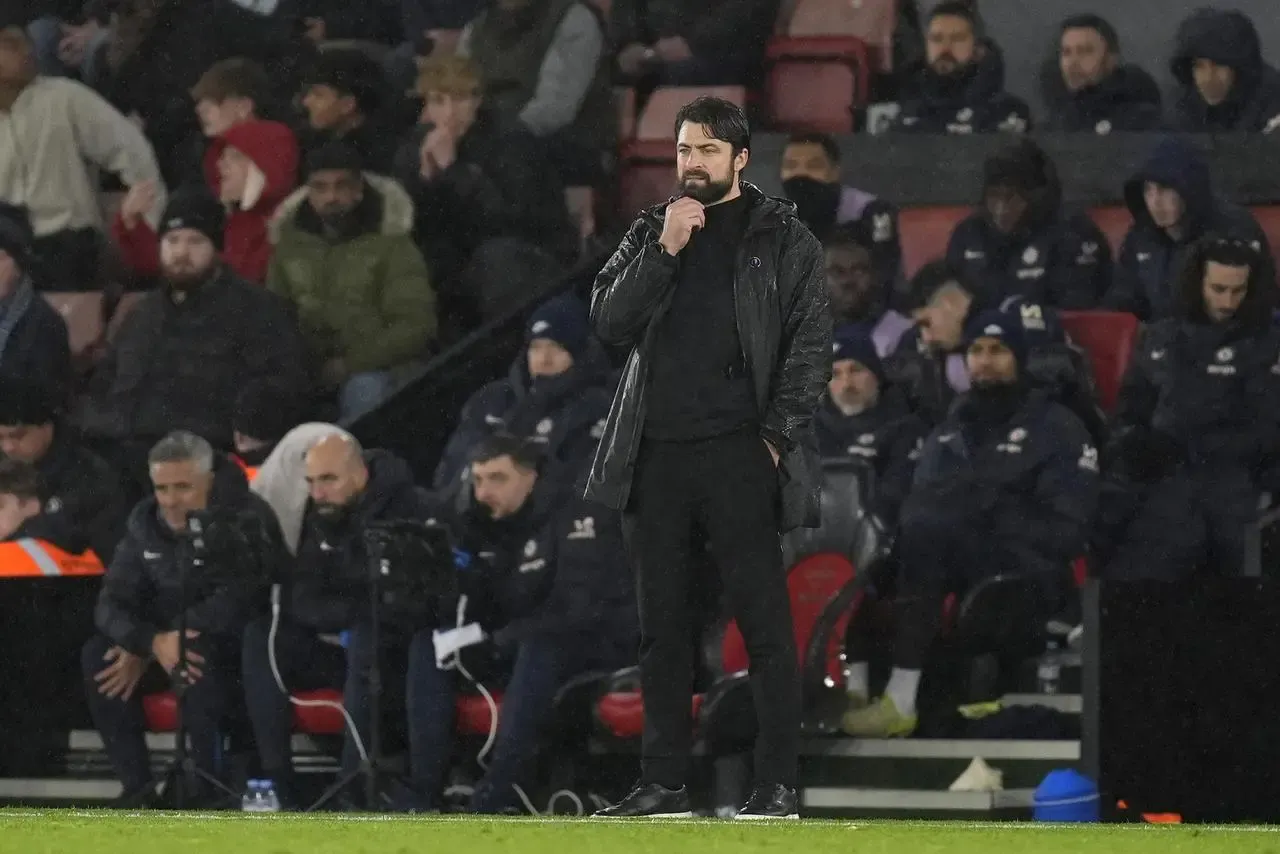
x: 719, y: 296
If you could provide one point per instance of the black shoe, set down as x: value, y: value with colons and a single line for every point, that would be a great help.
x: 649, y: 800
x: 768, y: 802
x: 142, y: 797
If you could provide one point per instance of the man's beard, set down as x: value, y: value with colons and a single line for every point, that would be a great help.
x: 184, y: 277
x: 707, y: 190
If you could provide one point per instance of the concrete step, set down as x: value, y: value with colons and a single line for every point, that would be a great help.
x: 858, y: 802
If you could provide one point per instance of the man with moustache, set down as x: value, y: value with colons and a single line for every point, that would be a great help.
x: 188, y: 348
x: 719, y: 297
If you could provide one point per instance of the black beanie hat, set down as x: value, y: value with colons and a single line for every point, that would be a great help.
x: 195, y: 208
x: 562, y: 320
x: 334, y: 155
x: 25, y: 403
x: 1004, y: 328
x: 854, y: 341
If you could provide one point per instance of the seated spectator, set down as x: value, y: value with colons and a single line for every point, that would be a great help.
x: 958, y: 91
x: 22, y: 514
x: 59, y: 130
x: 343, y: 256
x: 479, y: 179
x: 863, y: 418
x: 1197, y: 423
x: 1007, y: 485
x: 1173, y: 205
x: 1225, y: 84
x: 256, y: 165
x: 555, y: 396
x: 326, y: 594
x: 671, y: 43
x: 344, y: 96
x: 1022, y: 243
x: 856, y: 294
x: 33, y: 336
x: 552, y: 594
x: 1092, y: 90
x: 264, y: 413
x: 811, y: 178
x: 544, y: 62
x: 185, y: 350
x: 76, y: 485
x: 151, y: 582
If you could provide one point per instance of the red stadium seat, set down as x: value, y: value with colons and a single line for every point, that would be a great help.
x: 1268, y: 217
x: 1108, y: 337
x: 622, y: 713
x: 319, y: 720
x: 925, y: 232
x: 472, y: 715
x: 161, y: 711
x: 624, y: 100
x: 1115, y: 222
x: 82, y: 311
x: 872, y: 21
x: 814, y: 83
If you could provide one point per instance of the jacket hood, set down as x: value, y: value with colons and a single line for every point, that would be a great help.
x: 396, y: 215
x: 1024, y: 166
x: 769, y: 211
x: 230, y: 490
x: 1223, y: 36
x: 389, y: 480
x: 274, y: 151
x: 1256, y: 309
x: 1175, y: 162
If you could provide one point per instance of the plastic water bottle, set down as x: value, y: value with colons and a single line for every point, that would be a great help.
x: 270, y: 800
x: 251, y: 800
x: 1049, y: 673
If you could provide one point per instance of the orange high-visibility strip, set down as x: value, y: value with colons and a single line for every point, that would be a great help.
x: 251, y: 472
x: 28, y: 558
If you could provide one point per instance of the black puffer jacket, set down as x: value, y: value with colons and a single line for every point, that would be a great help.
x: 1225, y: 37
x: 970, y: 101
x: 784, y: 324
x: 1127, y: 99
x: 81, y: 489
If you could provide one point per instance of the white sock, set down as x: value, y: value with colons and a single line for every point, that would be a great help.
x: 902, y: 688
x: 859, y: 676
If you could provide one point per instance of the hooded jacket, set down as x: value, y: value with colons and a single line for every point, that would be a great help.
x: 971, y: 101
x: 784, y: 326
x: 1126, y: 100
x: 1149, y: 258
x: 142, y: 592
x: 273, y: 149
x: 1052, y: 258
x: 1225, y: 37
x: 365, y: 298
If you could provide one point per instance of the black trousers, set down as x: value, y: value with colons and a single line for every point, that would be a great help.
x: 726, y: 489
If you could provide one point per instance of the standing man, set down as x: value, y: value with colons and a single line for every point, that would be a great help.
x: 719, y: 296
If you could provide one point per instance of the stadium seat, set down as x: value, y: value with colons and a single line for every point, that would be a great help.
x: 161, y: 711
x: 127, y: 303
x: 319, y: 720
x: 648, y: 161
x: 872, y: 21
x: 82, y: 311
x: 1108, y: 337
x: 581, y: 202
x: 1268, y: 217
x: 472, y: 715
x: 1115, y: 222
x: 925, y: 232
x: 815, y: 83
x: 624, y: 100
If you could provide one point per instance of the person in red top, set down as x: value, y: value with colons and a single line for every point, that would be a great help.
x: 252, y: 166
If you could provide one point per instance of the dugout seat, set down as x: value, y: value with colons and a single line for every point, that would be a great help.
x: 1108, y: 337
x: 83, y: 313
x: 871, y: 21
x: 1114, y: 221
x: 815, y: 83
x: 924, y: 233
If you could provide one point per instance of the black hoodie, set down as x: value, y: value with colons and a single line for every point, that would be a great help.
x: 1128, y: 99
x: 1225, y: 37
x: 970, y: 101
x: 142, y: 591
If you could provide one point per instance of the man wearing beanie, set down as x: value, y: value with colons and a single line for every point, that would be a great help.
x: 556, y: 395
x: 863, y: 418
x: 1007, y: 485
x: 76, y: 485
x: 33, y: 336
x: 345, y: 259
x: 187, y: 348
x: 1021, y: 242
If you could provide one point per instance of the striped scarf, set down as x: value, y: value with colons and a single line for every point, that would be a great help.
x: 12, y: 310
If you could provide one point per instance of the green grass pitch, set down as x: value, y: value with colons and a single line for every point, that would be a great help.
x: 101, y: 832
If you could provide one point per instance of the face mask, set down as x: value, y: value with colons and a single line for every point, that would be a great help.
x: 816, y: 202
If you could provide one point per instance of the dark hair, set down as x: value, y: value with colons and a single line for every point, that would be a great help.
x: 930, y: 278
x: 724, y: 120
x: 236, y: 77
x: 956, y: 9
x: 1098, y: 24
x: 523, y: 453
x: 849, y: 235
x: 825, y: 140
x: 1234, y: 251
x: 349, y: 71
x: 19, y: 479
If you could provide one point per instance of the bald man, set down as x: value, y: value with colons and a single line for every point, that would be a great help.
x: 324, y: 596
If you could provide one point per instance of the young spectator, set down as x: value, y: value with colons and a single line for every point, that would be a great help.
x: 345, y: 96
x: 33, y: 336
x: 960, y: 90
x: 229, y: 92
x: 671, y: 43
x: 544, y: 62
x: 856, y: 294
x: 77, y: 486
x: 477, y: 177
x: 57, y: 131
x: 1008, y: 484
x: 1225, y: 85
x: 255, y: 165
x: 862, y: 417
x: 1023, y: 244
x: 1173, y: 205
x: 185, y: 351
x: 811, y: 178
x: 344, y: 257
x: 1090, y: 88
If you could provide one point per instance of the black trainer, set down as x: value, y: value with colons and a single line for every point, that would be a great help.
x: 769, y: 802
x: 649, y: 800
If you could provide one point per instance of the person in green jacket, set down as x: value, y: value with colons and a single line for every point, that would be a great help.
x: 344, y: 257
